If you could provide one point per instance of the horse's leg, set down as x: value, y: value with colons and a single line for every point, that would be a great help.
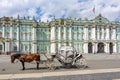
x: 37, y: 65
x: 23, y: 65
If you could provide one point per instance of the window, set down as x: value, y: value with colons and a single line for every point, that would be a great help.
x: 26, y: 47
x: 22, y: 47
x: 15, y: 35
x: 7, y: 35
x: 26, y: 36
x: 14, y: 29
x: 15, y: 48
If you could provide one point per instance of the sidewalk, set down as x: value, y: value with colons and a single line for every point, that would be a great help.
x: 61, y: 73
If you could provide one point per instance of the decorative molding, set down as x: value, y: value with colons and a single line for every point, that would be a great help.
x: 1, y: 38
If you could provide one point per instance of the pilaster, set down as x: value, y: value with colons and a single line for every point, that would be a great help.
x: 59, y: 37
x: 64, y: 35
x: 93, y: 33
x: 34, y: 41
x: 107, y: 33
x: 102, y: 37
x: 70, y: 36
x: 114, y: 33
x: 3, y: 32
x: 115, y: 47
x: 85, y: 47
x: 85, y: 36
x: 53, y: 45
x: 107, y: 50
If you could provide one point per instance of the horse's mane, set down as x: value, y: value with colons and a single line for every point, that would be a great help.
x: 16, y: 55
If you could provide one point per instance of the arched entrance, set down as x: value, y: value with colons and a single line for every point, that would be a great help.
x: 111, y: 48
x: 0, y: 48
x: 90, y: 47
x: 100, y: 47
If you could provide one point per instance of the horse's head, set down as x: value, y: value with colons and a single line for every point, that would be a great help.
x: 12, y: 58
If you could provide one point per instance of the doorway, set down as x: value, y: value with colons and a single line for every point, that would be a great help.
x: 100, y: 47
x: 111, y: 48
x: 90, y: 47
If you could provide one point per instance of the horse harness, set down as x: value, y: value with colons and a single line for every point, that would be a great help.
x: 23, y: 57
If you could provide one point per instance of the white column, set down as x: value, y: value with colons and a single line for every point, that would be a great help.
x: 34, y: 48
x: 64, y: 35
x: 107, y: 48
x: 98, y: 33
x: 113, y: 34
x: 95, y: 48
x: 34, y: 41
x: 11, y: 34
x: 102, y: 37
x: 3, y: 32
x: 18, y: 45
x: 70, y: 36
x: 59, y: 37
x: 85, y: 36
x: 85, y: 47
x: 17, y: 32
x: 115, y: 48
x: 11, y: 37
x: 107, y: 33
x: 93, y: 33
x: 7, y: 46
x: 53, y: 40
x: 34, y: 34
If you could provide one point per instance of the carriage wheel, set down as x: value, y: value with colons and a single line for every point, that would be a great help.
x: 68, y: 65
x: 81, y: 63
x: 51, y: 65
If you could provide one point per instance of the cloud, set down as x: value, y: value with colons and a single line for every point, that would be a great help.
x: 45, y: 9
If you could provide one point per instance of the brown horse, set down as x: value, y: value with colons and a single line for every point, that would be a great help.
x: 26, y: 58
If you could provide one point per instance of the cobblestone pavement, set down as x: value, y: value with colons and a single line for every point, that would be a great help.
x: 97, y: 61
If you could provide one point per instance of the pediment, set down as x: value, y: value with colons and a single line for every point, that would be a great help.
x: 100, y: 19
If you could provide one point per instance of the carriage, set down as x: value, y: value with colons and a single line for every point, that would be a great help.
x: 69, y: 57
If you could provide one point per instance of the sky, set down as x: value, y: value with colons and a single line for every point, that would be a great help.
x: 47, y: 9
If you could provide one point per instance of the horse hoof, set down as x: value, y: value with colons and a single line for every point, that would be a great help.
x: 23, y: 69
